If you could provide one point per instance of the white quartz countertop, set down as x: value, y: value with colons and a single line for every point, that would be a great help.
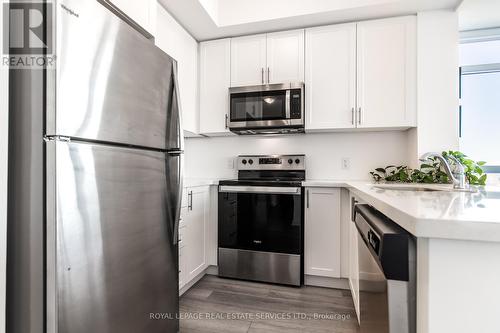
x: 433, y: 214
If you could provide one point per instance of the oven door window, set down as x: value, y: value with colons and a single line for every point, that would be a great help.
x: 261, y: 222
x: 255, y: 106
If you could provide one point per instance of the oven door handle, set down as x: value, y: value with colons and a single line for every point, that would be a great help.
x: 261, y: 189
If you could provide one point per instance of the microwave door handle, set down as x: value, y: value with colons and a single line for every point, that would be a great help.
x: 287, y: 105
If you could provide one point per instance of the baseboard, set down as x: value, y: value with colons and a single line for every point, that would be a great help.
x: 191, y: 283
x: 309, y: 280
x: 327, y: 282
x: 210, y: 270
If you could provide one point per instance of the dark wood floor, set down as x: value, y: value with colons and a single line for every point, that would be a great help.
x: 257, y: 307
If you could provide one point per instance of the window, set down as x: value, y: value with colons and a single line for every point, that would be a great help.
x: 480, y: 104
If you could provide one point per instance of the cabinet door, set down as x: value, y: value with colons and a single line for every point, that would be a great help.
x: 322, y: 232
x: 386, y: 73
x: 215, y: 79
x: 285, y: 57
x: 178, y: 43
x: 331, y: 77
x: 196, y: 231
x: 248, y: 60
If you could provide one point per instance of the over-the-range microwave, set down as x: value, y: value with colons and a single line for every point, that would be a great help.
x: 267, y: 109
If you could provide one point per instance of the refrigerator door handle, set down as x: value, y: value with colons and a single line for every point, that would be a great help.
x: 177, y: 214
x: 177, y: 109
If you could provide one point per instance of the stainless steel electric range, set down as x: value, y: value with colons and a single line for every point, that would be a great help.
x: 261, y: 220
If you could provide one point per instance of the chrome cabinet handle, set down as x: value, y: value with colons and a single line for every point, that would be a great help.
x: 359, y: 115
x: 190, y: 200
x: 307, y: 198
x: 262, y: 74
x: 352, y: 116
x: 268, y: 74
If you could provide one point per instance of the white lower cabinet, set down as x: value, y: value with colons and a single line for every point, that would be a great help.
x: 193, y: 233
x: 182, y: 245
x: 322, y: 232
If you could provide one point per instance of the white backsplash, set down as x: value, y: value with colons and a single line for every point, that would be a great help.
x: 215, y: 157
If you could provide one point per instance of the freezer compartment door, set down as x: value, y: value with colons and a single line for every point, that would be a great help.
x: 112, y: 84
x: 111, y: 258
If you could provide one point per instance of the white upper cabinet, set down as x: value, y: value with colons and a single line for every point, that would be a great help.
x: 330, y: 77
x: 322, y: 232
x: 271, y: 58
x: 248, y: 60
x: 178, y: 43
x: 386, y: 81
x: 357, y: 75
x: 215, y: 79
x: 142, y: 12
x: 285, y: 57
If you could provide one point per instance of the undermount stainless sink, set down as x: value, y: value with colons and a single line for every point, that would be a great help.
x: 434, y: 188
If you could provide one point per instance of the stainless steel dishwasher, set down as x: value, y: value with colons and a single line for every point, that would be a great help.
x: 387, y: 273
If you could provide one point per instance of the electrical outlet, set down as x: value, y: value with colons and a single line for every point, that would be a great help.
x: 345, y: 163
x: 230, y: 163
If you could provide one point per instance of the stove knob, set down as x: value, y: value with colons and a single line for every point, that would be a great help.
x: 250, y: 161
x: 244, y: 161
x: 297, y: 161
x: 290, y: 161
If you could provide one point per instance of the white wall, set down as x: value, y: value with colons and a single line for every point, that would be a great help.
x: 3, y: 178
x: 437, y: 83
x: 212, y: 157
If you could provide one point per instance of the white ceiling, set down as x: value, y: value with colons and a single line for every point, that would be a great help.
x: 210, y: 19
x: 479, y: 14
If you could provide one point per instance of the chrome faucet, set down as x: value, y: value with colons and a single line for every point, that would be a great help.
x: 457, y: 178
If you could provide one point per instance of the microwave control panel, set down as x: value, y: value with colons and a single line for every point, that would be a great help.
x: 295, y: 104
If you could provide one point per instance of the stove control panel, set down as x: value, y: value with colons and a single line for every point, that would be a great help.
x: 271, y: 162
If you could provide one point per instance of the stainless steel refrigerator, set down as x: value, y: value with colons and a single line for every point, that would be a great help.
x: 95, y: 180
